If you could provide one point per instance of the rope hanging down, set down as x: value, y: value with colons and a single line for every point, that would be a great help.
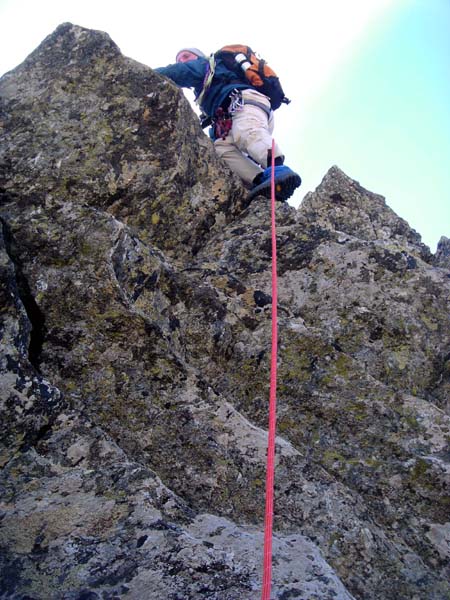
x: 270, y: 469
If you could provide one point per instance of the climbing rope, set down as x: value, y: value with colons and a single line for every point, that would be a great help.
x: 270, y: 468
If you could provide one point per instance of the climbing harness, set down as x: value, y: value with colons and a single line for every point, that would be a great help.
x: 270, y: 471
x: 237, y: 102
x: 260, y: 105
x: 223, y: 119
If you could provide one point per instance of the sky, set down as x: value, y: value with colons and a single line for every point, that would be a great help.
x: 369, y: 80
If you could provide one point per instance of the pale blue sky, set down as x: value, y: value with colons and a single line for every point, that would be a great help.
x: 369, y: 80
x: 384, y: 116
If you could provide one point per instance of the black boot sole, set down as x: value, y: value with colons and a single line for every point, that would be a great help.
x: 285, y: 185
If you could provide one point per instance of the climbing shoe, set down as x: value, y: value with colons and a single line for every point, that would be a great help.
x: 286, y: 181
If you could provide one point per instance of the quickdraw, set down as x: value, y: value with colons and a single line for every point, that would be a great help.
x: 236, y: 102
x: 223, y: 120
x: 222, y: 123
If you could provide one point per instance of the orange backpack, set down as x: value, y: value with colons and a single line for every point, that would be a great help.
x: 249, y: 67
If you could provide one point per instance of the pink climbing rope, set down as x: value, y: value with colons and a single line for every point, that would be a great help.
x: 270, y: 469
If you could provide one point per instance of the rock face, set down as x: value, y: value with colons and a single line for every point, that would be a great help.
x: 135, y: 359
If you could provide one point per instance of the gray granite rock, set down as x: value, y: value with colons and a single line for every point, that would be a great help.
x: 136, y: 303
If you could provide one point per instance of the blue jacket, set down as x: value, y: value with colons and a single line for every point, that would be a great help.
x: 192, y: 74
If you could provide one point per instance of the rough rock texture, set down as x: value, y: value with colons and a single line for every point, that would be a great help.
x: 135, y: 308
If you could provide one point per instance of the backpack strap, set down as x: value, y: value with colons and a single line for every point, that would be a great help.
x: 209, y: 75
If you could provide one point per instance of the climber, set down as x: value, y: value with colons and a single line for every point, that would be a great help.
x: 242, y: 122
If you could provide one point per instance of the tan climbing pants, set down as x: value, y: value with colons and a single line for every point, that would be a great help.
x: 245, y: 147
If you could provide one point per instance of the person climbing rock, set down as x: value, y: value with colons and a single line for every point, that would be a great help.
x: 241, y: 117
